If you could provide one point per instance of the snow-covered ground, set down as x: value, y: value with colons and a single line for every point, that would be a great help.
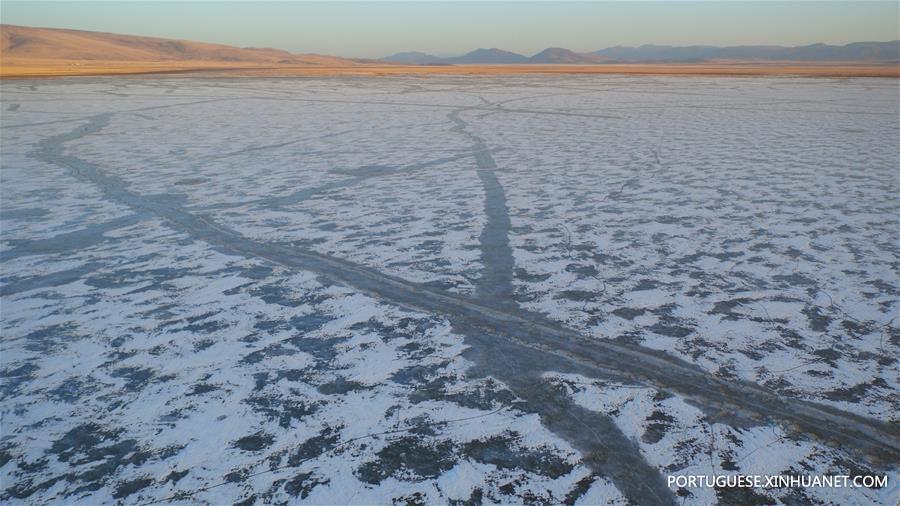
x: 274, y: 290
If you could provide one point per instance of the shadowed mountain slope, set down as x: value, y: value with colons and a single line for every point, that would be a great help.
x: 562, y: 55
x: 492, y: 55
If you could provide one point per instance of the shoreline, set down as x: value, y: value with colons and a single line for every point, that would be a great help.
x: 56, y: 69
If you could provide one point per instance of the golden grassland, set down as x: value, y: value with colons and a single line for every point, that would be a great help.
x: 43, y: 68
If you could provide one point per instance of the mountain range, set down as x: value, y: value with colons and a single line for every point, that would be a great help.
x: 857, y: 51
x: 45, y: 52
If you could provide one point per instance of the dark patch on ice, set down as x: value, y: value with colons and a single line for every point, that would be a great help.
x: 285, y: 296
x: 857, y: 328
x: 417, y: 350
x: 202, y: 388
x: 582, y: 270
x: 476, y: 498
x: 302, y: 484
x: 136, y: 377
x: 270, y: 326
x: 629, y: 313
x: 504, y: 452
x: 284, y: 410
x: 368, y: 170
x: 13, y: 285
x: 237, y: 476
x: 409, y: 455
x: 742, y: 496
x: 250, y: 501
x: 414, y: 499
x: 444, y: 283
x: 203, y: 344
x: 726, y: 307
x: 175, y: 476
x: 25, y: 214
x: 791, y: 338
x: 88, y: 444
x: 486, y: 395
x: 191, y: 181
x: 126, y: 488
x: 14, y: 377
x: 196, y: 324
x: 326, y: 440
x: 659, y: 424
x: 524, y: 275
x: 670, y: 327
x: 578, y: 295
x: 884, y: 287
x: 646, y: 284
x: 828, y: 355
x: 5, y: 453
x: 581, y: 488
x: 793, y: 280
x: 340, y: 386
x: 410, y: 328
x: 856, y: 392
x: 69, y: 390
x: 254, y: 442
x: 432, y: 246
x: 274, y: 350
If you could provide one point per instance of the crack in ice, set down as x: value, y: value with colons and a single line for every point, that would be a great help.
x: 522, y: 330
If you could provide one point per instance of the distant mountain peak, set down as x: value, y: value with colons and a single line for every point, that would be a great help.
x: 563, y: 55
x: 412, y: 58
x: 489, y: 55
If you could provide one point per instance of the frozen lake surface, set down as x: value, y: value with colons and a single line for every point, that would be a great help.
x: 447, y: 290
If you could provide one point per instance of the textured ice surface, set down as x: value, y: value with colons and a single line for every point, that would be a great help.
x: 270, y: 290
x: 749, y: 227
x: 678, y: 439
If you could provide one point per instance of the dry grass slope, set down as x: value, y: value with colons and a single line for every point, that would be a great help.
x: 58, y: 50
x: 51, y: 52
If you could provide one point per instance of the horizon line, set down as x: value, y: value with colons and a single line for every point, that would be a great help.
x: 453, y: 55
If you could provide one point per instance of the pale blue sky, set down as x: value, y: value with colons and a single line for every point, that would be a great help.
x: 377, y: 28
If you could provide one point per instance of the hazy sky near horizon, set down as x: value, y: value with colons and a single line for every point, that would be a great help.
x: 374, y: 29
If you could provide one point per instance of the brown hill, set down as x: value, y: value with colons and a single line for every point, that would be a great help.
x: 27, y: 44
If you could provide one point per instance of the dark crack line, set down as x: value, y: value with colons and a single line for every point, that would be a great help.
x: 539, y: 400
x: 530, y: 329
x: 307, y: 193
x: 139, y: 109
x: 446, y: 106
x: 14, y: 286
x: 555, y: 411
x: 265, y: 147
x: 495, y: 284
x: 604, y: 448
x: 748, y: 401
x: 70, y: 241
